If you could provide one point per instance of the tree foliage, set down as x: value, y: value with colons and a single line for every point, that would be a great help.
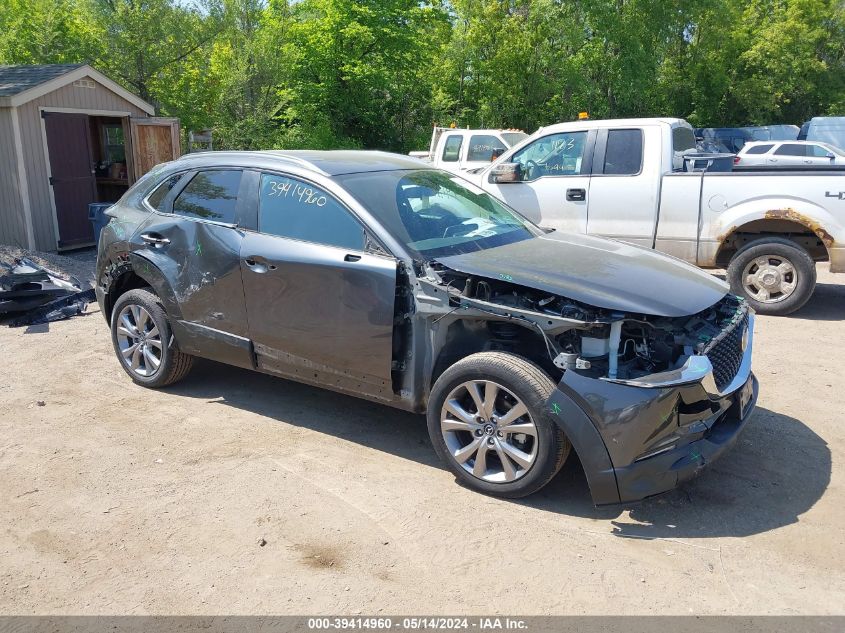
x: 379, y: 73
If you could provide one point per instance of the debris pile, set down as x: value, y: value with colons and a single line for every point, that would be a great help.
x: 32, y: 294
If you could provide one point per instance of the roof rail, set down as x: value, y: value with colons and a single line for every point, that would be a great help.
x: 274, y: 153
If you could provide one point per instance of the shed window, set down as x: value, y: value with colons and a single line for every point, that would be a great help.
x: 114, y: 143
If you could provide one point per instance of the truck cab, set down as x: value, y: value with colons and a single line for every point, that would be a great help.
x: 570, y: 168
x: 457, y: 150
x: 642, y: 181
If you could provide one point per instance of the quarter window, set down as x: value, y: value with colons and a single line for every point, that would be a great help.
x: 452, y: 148
x: 624, y: 153
x: 554, y: 155
x: 156, y: 198
x: 683, y: 142
x: 482, y: 146
x: 295, y: 209
x: 758, y: 149
x: 211, y: 195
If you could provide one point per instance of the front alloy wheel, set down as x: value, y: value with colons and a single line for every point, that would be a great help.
x: 489, y: 420
x: 489, y: 431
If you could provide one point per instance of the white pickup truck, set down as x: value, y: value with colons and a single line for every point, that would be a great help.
x: 456, y: 149
x: 626, y: 179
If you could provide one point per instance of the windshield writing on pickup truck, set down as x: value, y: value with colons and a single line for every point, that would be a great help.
x: 553, y: 155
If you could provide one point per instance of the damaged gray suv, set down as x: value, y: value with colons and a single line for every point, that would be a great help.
x: 377, y: 276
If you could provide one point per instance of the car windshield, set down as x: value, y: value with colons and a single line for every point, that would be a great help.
x: 833, y: 149
x: 435, y: 213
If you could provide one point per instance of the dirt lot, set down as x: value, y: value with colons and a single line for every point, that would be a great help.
x: 121, y: 500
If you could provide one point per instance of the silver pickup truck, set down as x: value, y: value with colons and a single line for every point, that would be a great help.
x: 626, y: 179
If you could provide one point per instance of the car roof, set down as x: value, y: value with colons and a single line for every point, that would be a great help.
x: 326, y: 163
x: 588, y: 124
x: 781, y: 142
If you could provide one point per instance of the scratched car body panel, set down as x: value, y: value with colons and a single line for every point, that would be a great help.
x: 375, y: 275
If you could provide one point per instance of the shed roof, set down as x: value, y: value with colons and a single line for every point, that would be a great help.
x: 20, y: 84
x: 16, y: 79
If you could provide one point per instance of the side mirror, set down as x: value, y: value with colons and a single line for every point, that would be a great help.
x: 496, y: 153
x: 830, y: 155
x: 506, y: 172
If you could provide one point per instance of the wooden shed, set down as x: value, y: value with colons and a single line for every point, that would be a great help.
x: 70, y: 136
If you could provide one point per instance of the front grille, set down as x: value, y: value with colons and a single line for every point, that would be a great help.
x: 725, y: 350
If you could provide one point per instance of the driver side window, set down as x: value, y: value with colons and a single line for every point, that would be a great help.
x: 554, y: 155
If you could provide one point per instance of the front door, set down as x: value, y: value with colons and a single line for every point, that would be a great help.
x: 320, y: 306
x: 71, y: 175
x: 555, y: 185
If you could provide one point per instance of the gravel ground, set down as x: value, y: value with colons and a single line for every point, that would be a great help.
x: 119, y: 499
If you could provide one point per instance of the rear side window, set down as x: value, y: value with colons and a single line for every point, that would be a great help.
x: 683, y: 139
x: 211, y: 195
x: 452, y: 148
x: 791, y: 149
x: 298, y: 210
x: 758, y: 149
x: 624, y: 153
x: 156, y: 198
x: 683, y: 142
x: 482, y: 146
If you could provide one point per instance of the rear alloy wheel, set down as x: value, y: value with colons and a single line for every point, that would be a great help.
x: 143, y: 341
x: 489, y: 421
x: 775, y: 275
x: 139, y: 341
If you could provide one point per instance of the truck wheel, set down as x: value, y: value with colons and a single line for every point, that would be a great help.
x: 489, y: 421
x: 141, y: 337
x: 776, y: 275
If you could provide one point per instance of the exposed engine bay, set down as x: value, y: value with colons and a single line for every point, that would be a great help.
x: 596, y: 342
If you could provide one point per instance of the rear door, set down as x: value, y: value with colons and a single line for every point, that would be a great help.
x: 788, y: 154
x: 193, y: 239
x: 71, y: 175
x: 624, y: 188
x: 320, y: 304
x: 555, y: 185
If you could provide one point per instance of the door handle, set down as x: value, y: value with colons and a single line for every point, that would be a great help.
x: 576, y: 195
x: 155, y: 239
x: 351, y: 258
x: 258, y: 264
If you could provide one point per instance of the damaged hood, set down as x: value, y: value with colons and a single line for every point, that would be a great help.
x: 599, y: 272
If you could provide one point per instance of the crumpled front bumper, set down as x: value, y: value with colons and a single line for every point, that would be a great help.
x: 639, y: 438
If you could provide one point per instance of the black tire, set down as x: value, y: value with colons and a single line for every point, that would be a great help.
x: 533, y: 387
x: 174, y: 364
x: 776, y: 248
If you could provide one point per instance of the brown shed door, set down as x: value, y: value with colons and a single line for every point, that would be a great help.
x: 71, y: 175
x: 154, y: 140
